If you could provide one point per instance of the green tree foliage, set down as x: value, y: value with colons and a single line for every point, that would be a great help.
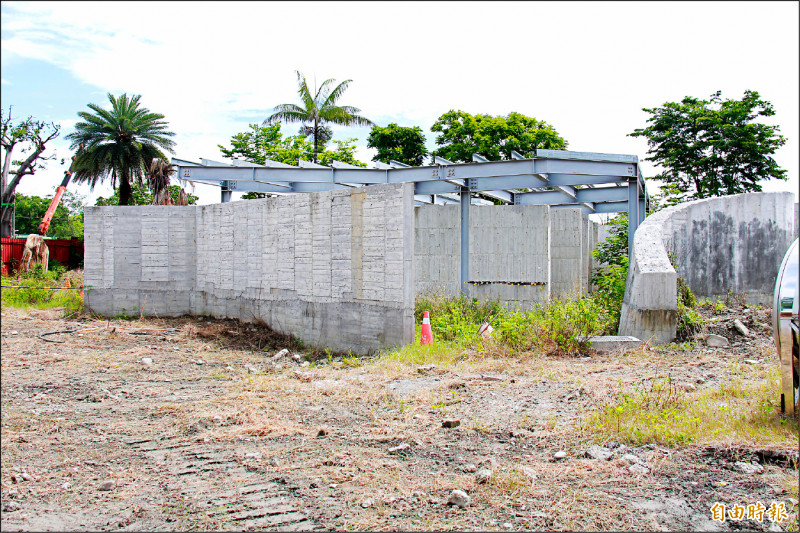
x: 120, y: 143
x: 67, y: 220
x: 30, y: 137
x: 267, y: 142
x: 462, y: 135
x: 713, y: 147
x: 142, y: 195
x: 399, y: 143
x: 318, y: 109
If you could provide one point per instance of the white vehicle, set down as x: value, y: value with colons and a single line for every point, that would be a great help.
x: 787, y: 328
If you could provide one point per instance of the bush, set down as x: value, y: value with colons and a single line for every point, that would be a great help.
x: 610, y: 292
x: 35, y: 290
x: 561, y: 326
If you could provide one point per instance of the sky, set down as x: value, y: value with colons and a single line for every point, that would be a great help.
x: 212, y: 68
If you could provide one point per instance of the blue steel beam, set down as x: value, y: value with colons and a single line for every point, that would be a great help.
x: 611, y: 207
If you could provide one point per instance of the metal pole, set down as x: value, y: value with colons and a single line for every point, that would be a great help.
x: 225, y: 194
x: 633, y: 211
x: 465, y: 199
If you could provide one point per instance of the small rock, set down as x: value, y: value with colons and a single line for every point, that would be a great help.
x: 483, y: 475
x: 10, y: 507
x: 107, y: 485
x: 529, y: 473
x: 720, y: 483
x: 400, y: 448
x: 305, y: 364
x: 200, y: 362
x: 490, y: 463
x: 599, y: 452
x: 425, y: 368
x: 560, y: 455
x: 278, y: 368
x: 252, y: 455
x: 751, y: 361
x: 469, y: 468
x: 716, y: 341
x: 229, y: 367
x: 217, y: 418
x: 280, y: 354
x: 689, y: 387
x: 458, y: 497
x: 322, y: 432
x: 26, y: 476
x: 303, y: 376
x: 507, y: 525
x: 638, y: 468
x: 487, y: 377
x: 774, y: 526
x: 251, y: 369
x: 451, y: 423
x: 700, y: 381
x: 367, y: 503
x: 66, y: 485
x: 741, y: 328
x: 146, y: 361
x: 14, y: 332
x: 748, y: 468
x: 297, y: 357
x: 631, y: 459
x: 273, y: 461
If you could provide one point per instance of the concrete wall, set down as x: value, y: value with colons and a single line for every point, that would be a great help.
x: 333, y: 268
x: 720, y: 245
x: 514, y: 243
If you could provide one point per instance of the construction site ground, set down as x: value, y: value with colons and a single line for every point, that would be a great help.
x: 193, y: 424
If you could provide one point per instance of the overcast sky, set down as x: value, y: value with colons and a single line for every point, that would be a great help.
x: 588, y: 69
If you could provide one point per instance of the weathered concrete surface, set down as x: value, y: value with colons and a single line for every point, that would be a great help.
x: 508, y: 243
x: 611, y: 343
x: 720, y: 245
x: 334, y: 268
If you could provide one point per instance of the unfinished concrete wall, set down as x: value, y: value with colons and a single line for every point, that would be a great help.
x: 569, y: 253
x: 732, y: 243
x: 508, y: 244
x: 333, y: 268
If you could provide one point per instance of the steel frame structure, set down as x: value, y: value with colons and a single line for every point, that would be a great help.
x: 592, y: 182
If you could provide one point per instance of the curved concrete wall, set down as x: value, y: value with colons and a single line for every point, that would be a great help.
x: 720, y: 245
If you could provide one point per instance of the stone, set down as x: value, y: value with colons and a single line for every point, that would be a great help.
x: 217, y: 418
x: 66, y: 485
x: 451, y: 423
x: 280, y: 354
x: 716, y: 341
x: 459, y: 498
x: 489, y: 377
x: 612, y: 343
x: 273, y: 461
x: 229, y: 367
x: 367, y: 503
x: 297, y: 357
x: 631, y: 459
x: 529, y: 473
x: 469, y: 468
x: 559, y: 455
x: 10, y: 507
x: 305, y: 364
x: 107, y: 485
x: 774, y: 526
x: 483, y: 475
x: 251, y: 369
x: 700, y: 381
x: 26, y: 476
x: 599, y: 452
x: 638, y: 468
x: 400, y: 448
x: 322, y: 432
x: 689, y: 387
x: 425, y: 368
x: 741, y: 328
x: 748, y: 468
x: 252, y: 455
x: 15, y: 332
x: 146, y: 361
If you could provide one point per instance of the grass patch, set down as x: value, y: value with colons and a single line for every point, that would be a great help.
x: 741, y: 410
x: 560, y: 326
x: 34, y: 289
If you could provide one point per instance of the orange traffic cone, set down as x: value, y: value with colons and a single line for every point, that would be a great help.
x: 426, y: 337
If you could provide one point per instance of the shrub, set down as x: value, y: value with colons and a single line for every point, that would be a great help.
x: 610, y: 292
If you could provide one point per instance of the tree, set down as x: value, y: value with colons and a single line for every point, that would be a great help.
x: 31, y: 137
x: 141, y: 195
x: 713, y: 147
x: 319, y: 109
x: 67, y: 220
x: 121, y: 142
x: 494, y: 138
x: 402, y: 144
x: 267, y: 142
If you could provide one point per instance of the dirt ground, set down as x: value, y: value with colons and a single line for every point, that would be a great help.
x: 194, y: 424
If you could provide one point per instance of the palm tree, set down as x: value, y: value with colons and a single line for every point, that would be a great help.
x: 121, y: 142
x: 318, y: 109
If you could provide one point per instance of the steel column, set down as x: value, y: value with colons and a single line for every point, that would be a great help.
x: 642, y: 210
x: 633, y: 211
x: 465, y: 199
x: 225, y: 194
